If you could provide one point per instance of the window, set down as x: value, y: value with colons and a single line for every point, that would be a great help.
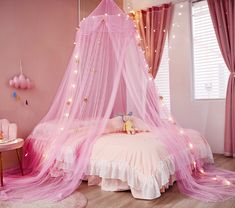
x: 162, y: 79
x: 210, y: 71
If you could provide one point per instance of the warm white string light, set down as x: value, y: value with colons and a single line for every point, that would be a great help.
x: 181, y: 131
x: 228, y: 183
x: 170, y: 119
x: 190, y: 145
x: 66, y: 115
x: 202, y: 171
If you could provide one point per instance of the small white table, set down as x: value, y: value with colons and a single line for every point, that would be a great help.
x: 8, y: 146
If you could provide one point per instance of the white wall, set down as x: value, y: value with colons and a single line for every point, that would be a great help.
x: 206, y: 116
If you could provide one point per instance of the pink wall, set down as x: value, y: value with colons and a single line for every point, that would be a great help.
x: 41, y: 33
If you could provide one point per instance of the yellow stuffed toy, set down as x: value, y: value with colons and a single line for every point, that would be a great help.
x: 128, y: 125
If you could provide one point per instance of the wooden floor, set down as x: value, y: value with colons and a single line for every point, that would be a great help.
x: 171, y: 199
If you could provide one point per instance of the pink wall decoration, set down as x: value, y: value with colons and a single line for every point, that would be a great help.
x: 21, y: 81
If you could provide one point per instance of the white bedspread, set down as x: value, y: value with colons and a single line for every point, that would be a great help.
x: 137, y: 162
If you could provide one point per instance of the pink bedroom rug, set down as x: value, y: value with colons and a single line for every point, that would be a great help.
x: 76, y: 200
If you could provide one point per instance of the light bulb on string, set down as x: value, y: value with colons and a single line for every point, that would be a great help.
x: 62, y: 128
x: 214, y: 179
x: 138, y: 36
x: 228, y: 183
x: 69, y: 101
x: 202, y: 171
x: 190, y: 145
x: 73, y: 85
x: 76, y: 58
x: 66, y: 115
x: 170, y: 119
x: 181, y: 131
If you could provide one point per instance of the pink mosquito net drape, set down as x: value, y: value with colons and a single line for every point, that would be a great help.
x: 106, y: 76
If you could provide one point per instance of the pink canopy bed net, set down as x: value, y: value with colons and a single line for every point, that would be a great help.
x: 107, y: 76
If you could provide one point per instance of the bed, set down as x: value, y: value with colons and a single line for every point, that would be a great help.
x: 139, y: 163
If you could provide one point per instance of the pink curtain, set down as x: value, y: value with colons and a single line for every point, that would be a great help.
x: 223, y: 17
x: 153, y: 25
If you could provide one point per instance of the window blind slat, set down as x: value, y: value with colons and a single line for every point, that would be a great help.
x: 210, y: 71
x: 162, y: 78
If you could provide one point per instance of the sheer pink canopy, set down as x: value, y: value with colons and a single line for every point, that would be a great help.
x: 107, y: 76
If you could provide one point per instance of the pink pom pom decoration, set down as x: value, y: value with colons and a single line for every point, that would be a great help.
x: 20, y: 81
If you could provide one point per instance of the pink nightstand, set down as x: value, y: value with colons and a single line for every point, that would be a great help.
x: 11, y: 145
